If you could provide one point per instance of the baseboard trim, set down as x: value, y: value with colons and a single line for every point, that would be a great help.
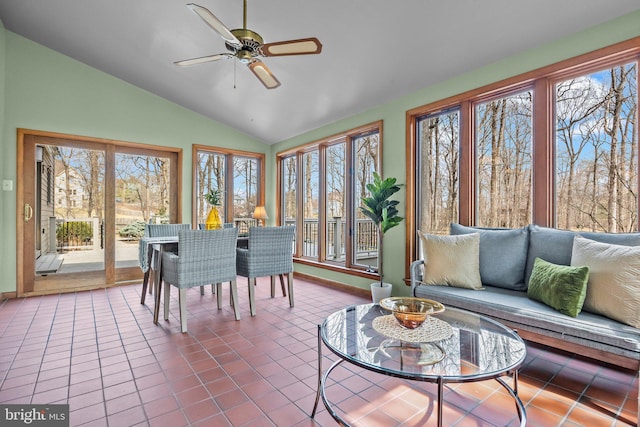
x: 8, y: 295
x: 333, y: 284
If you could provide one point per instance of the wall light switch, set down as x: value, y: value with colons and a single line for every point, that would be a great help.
x: 7, y: 185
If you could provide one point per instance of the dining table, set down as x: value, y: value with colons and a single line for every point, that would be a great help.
x: 151, y: 248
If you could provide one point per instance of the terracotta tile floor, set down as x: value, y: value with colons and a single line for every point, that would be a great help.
x: 100, y: 353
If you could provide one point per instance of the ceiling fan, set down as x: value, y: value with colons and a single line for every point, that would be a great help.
x: 247, y: 46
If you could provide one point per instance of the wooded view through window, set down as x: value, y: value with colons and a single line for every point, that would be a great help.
x: 503, y: 146
x: 332, y: 177
x: 238, y: 178
x: 475, y: 163
x: 597, y: 151
x: 438, y: 153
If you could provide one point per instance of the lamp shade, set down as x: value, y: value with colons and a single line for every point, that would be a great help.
x: 260, y: 213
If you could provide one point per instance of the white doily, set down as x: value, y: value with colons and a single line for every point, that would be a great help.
x: 433, y: 329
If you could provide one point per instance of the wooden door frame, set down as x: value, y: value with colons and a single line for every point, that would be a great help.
x: 25, y: 265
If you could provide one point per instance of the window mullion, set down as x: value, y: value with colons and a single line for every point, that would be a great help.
x: 322, y: 203
x: 299, y: 205
x: 543, y: 153
x: 468, y: 188
x: 351, y: 203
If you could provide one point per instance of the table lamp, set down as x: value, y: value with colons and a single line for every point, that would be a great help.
x: 260, y: 214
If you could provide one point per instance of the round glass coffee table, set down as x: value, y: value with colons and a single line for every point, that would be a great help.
x: 475, y: 348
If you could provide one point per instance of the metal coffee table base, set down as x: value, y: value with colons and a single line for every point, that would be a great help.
x: 322, y: 379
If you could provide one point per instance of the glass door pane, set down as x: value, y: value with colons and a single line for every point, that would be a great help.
x: 245, y: 191
x: 310, y: 188
x: 69, y: 212
x: 142, y: 189
x: 335, y: 202
x: 289, y: 183
x: 210, y: 175
x: 365, y: 243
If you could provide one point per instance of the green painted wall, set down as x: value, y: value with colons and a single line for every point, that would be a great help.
x: 393, y: 115
x: 47, y: 91
x: 4, y: 236
x: 44, y: 90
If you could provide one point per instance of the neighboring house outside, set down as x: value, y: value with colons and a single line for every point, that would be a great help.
x: 70, y: 193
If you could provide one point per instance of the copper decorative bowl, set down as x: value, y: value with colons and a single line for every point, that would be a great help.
x: 411, y: 312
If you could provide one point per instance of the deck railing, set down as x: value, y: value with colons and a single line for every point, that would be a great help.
x: 78, y: 234
x: 366, y: 241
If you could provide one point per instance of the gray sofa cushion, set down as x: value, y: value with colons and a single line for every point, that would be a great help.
x: 554, y: 245
x: 503, y: 254
x: 515, y: 308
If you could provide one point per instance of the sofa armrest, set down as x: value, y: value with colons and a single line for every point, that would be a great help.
x: 416, y: 274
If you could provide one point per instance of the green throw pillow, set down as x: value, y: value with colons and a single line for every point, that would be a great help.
x: 559, y: 286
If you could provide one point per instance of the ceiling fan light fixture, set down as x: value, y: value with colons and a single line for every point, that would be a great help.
x: 244, y: 56
x: 264, y: 74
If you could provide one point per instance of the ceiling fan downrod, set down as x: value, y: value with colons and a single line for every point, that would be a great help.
x: 244, y: 15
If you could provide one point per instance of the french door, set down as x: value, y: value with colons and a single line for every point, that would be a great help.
x: 82, y: 205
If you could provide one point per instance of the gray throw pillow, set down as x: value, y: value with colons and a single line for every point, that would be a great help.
x: 555, y: 245
x: 503, y: 254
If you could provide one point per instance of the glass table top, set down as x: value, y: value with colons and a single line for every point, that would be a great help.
x: 479, y: 348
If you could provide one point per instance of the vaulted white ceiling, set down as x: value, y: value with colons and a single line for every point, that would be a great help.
x: 373, y: 50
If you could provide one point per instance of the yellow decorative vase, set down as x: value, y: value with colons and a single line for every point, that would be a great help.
x: 213, y: 221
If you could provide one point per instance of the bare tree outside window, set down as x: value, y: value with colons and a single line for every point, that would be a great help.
x: 310, y: 173
x: 142, y: 188
x: 367, y: 160
x: 342, y: 166
x: 503, y: 141
x: 438, y: 155
x: 289, y: 185
x: 210, y: 173
x: 597, y: 151
x: 245, y: 186
x: 335, y: 215
x: 237, y: 177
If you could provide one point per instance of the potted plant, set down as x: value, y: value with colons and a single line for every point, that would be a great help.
x: 383, y: 212
x: 213, y: 221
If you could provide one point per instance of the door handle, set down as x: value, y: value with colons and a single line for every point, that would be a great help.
x: 28, y: 212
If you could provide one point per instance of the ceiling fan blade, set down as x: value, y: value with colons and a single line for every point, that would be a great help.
x: 309, y: 46
x: 217, y: 25
x: 209, y: 58
x: 264, y: 74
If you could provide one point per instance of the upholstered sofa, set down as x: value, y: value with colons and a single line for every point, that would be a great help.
x: 505, y: 264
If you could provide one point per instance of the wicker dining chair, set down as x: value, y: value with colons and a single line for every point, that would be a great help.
x: 204, y: 256
x: 224, y: 225
x: 159, y: 230
x: 269, y: 253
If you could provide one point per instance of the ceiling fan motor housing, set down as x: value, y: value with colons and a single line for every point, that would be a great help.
x: 251, y: 44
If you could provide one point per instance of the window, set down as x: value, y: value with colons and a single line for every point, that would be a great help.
x: 321, y: 185
x: 310, y: 202
x: 438, y: 153
x: 503, y: 147
x: 556, y: 147
x: 238, y: 175
x: 596, y: 150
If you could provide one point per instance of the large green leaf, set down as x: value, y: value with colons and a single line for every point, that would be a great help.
x: 377, y: 206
